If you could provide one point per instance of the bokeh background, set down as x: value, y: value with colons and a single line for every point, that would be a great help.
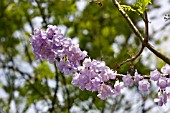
x: 31, y: 86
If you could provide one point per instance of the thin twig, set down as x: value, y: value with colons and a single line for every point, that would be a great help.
x: 55, y: 91
x: 139, y: 35
x: 142, y: 48
x: 28, y: 54
x: 30, y: 22
x: 41, y: 12
x: 133, y: 58
x: 131, y: 24
x: 27, y: 15
x: 67, y: 92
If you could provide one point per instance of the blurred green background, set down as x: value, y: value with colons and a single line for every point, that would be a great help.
x: 30, y: 86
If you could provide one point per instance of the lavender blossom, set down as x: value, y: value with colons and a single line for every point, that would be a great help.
x: 166, y: 69
x: 137, y: 76
x: 111, y: 74
x: 92, y: 75
x: 75, y: 79
x: 117, y: 88
x: 105, y: 91
x: 127, y: 80
x: 154, y: 75
x: 42, y: 46
x: 162, y: 82
x: 52, y: 46
x: 96, y: 83
x: 144, y: 85
x: 162, y: 99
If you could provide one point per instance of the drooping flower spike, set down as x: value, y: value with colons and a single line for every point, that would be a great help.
x: 91, y: 74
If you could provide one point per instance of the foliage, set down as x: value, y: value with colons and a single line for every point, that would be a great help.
x: 139, y: 7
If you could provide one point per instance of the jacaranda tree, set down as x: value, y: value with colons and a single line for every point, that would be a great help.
x: 62, y: 56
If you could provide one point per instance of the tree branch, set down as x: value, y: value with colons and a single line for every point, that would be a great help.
x: 67, y: 92
x: 55, y: 91
x: 133, y: 58
x: 139, y: 35
x: 42, y: 13
x: 146, y: 27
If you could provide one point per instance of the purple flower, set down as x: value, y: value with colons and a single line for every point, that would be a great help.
x: 96, y: 83
x: 51, y: 44
x: 117, y: 88
x: 162, y: 99
x: 137, y: 76
x: 51, y: 31
x: 66, y: 66
x: 105, y: 91
x: 162, y: 82
x: 98, y: 66
x: 127, y: 80
x: 166, y: 69
x: 154, y: 75
x: 75, y: 79
x: 87, y: 62
x: 42, y: 45
x: 144, y: 85
x: 104, y: 77
x: 89, y: 86
x: 111, y: 74
x: 93, y: 74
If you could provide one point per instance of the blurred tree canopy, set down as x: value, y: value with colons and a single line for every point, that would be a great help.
x: 28, y: 86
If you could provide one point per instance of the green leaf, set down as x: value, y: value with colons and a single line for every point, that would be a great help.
x: 127, y: 8
x: 141, y: 5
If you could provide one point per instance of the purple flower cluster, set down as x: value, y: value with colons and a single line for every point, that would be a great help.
x: 162, y: 98
x: 52, y: 46
x: 143, y: 84
x: 162, y: 81
x: 42, y: 45
x: 92, y: 75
